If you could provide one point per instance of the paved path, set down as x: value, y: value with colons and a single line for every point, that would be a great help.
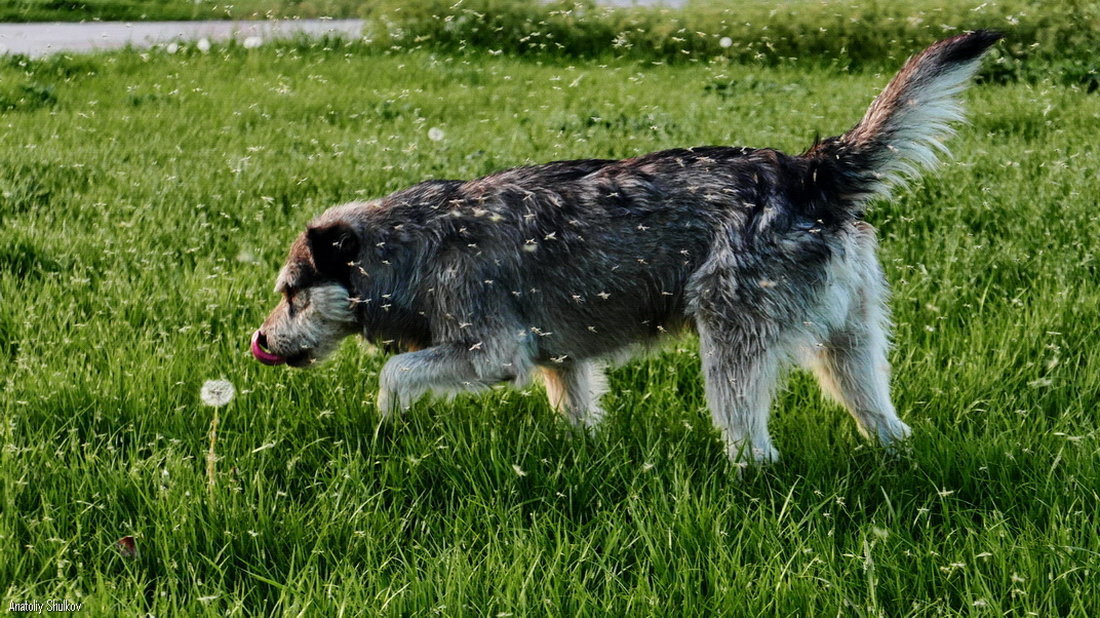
x: 42, y: 39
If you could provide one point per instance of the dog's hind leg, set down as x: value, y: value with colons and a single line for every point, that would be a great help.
x: 740, y: 373
x: 574, y: 390
x: 851, y: 365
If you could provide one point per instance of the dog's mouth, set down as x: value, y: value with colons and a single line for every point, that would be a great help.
x: 262, y: 354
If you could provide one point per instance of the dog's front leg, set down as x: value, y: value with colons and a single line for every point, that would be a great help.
x: 444, y: 369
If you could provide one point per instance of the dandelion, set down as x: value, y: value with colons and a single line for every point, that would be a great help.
x: 172, y: 48
x: 214, y: 393
x: 247, y: 257
x: 217, y: 393
x: 436, y: 134
x: 725, y: 42
x: 203, y: 45
x: 253, y: 42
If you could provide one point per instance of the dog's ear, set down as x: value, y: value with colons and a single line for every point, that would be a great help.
x: 333, y: 247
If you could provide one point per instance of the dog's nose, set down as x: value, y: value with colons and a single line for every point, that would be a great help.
x: 259, y: 350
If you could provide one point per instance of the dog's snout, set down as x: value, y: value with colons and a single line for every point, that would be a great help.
x: 260, y: 351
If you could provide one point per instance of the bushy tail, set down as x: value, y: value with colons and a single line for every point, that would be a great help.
x: 905, y: 126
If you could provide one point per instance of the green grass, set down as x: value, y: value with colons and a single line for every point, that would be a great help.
x: 147, y: 200
x: 842, y: 34
x: 1045, y: 39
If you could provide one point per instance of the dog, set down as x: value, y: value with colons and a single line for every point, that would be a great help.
x: 561, y: 268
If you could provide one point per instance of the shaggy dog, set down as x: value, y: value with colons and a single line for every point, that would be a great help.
x: 564, y: 266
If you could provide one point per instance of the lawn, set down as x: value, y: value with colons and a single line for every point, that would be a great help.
x: 146, y: 204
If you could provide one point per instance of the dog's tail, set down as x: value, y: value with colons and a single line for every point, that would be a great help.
x: 905, y: 126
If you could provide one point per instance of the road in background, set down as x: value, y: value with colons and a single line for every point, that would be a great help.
x: 46, y: 38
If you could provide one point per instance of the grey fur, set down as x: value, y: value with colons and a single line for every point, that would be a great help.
x: 566, y: 265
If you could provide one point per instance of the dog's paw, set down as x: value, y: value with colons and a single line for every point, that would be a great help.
x: 894, y: 435
x: 744, y: 455
x: 384, y: 402
x: 898, y: 444
x: 390, y: 402
x: 587, y: 421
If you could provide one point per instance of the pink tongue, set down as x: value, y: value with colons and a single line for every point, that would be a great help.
x: 263, y: 355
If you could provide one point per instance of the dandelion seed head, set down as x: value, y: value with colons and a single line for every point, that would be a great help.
x: 436, y: 134
x: 246, y: 256
x: 725, y: 42
x: 217, y: 393
x: 203, y: 45
x: 253, y: 42
x: 172, y: 48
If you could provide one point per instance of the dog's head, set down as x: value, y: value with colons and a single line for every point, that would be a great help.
x: 317, y: 309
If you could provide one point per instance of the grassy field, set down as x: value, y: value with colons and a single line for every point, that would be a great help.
x: 1046, y: 38
x: 147, y: 200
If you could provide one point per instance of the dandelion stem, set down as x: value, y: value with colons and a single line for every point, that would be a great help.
x: 211, y: 456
